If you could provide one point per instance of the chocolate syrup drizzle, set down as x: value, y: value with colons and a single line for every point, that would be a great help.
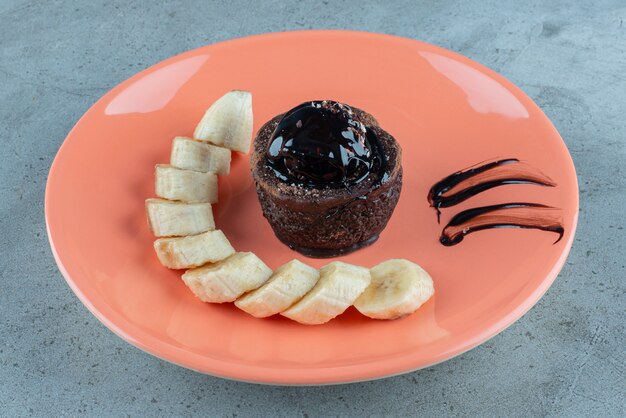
x: 507, y: 215
x: 323, y: 143
x: 516, y: 173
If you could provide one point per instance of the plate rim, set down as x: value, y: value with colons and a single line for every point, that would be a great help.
x: 381, y: 372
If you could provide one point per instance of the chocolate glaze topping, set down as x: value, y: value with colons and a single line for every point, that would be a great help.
x: 323, y: 143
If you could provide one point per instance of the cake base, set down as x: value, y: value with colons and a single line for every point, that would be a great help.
x: 329, y: 252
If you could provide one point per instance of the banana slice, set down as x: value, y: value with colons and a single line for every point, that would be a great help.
x: 398, y: 288
x: 228, y: 122
x: 193, y: 250
x: 289, y: 283
x: 185, y: 185
x: 338, y: 287
x: 228, y: 279
x: 199, y: 156
x: 168, y: 219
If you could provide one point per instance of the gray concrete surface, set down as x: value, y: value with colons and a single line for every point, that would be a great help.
x: 564, y: 358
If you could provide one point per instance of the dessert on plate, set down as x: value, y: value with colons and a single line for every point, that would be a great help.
x: 328, y: 177
x: 333, y: 167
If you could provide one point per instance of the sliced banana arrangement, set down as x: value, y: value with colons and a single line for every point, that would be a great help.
x: 289, y: 283
x: 185, y: 185
x: 168, y: 218
x: 182, y: 220
x: 190, y: 154
x: 193, y: 250
x: 228, y: 279
x: 398, y: 288
x: 340, y: 284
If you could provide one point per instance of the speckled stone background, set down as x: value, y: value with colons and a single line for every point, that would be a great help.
x: 566, y: 357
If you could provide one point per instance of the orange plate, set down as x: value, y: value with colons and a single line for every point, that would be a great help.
x: 446, y: 111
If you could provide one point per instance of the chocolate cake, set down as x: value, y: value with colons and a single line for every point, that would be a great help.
x: 328, y: 177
